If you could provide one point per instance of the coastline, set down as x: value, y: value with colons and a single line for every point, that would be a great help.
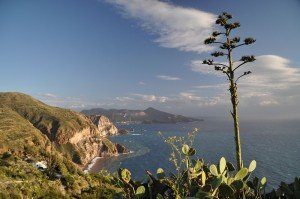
x: 90, y: 165
x: 98, y: 163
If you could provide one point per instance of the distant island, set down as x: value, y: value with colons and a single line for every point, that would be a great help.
x: 147, y: 116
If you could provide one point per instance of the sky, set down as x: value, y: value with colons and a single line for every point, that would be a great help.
x: 82, y: 54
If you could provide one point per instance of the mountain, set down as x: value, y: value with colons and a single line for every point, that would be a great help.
x: 28, y: 126
x: 150, y: 115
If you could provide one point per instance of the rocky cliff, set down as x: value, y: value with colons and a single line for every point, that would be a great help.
x: 104, y: 125
x: 72, y: 134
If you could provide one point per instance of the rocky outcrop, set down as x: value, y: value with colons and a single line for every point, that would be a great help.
x: 89, y: 143
x: 121, y: 149
x: 122, y: 131
x: 104, y: 125
x: 83, y: 145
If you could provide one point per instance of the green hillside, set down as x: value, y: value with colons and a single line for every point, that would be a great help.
x: 18, y: 135
x: 54, y: 122
x: 26, y: 120
x: 30, y: 132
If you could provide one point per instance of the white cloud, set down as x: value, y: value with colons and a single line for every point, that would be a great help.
x: 197, y: 66
x: 124, y: 99
x: 268, y: 102
x: 69, y: 102
x: 163, y: 99
x: 177, y: 27
x: 268, y: 70
x: 212, y: 86
x: 50, y: 95
x: 201, y: 100
x: 148, y: 98
x: 273, y: 81
x: 166, y: 77
x: 142, y: 83
x: 190, y: 96
x: 272, y: 72
x: 182, y: 99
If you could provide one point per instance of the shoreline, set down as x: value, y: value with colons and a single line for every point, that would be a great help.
x: 91, y: 164
x: 100, y: 162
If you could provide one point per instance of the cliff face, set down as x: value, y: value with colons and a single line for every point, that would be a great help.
x: 89, y: 143
x: 73, y: 134
x: 104, y: 125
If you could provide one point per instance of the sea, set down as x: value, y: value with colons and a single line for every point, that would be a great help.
x: 274, y: 144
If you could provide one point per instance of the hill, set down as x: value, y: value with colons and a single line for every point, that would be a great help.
x: 32, y: 132
x: 149, y: 115
x: 25, y: 120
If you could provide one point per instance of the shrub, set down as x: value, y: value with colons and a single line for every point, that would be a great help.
x: 6, y: 155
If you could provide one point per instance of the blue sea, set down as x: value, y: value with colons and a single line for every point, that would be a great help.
x: 275, y: 145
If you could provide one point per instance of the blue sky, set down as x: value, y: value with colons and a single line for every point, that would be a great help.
x: 137, y: 53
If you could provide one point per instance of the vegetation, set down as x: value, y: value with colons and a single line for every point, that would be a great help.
x: 194, y: 178
x: 18, y: 135
x: 230, y: 68
x: 27, y: 124
x: 52, y: 121
x: 19, y: 178
x: 31, y: 132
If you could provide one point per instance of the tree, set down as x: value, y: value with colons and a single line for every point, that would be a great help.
x: 230, y: 67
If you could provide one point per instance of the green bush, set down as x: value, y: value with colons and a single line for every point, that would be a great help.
x: 6, y: 155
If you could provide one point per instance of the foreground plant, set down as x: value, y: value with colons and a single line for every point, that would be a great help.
x: 230, y: 67
x: 193, y: 178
